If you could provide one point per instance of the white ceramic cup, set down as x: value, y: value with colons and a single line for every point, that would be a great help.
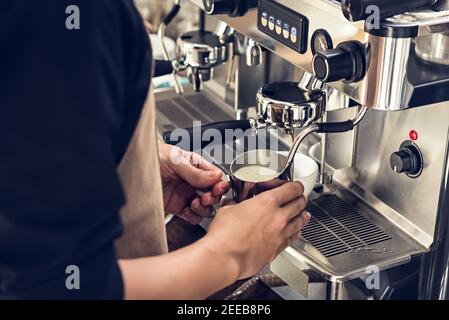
x: 305, y: 170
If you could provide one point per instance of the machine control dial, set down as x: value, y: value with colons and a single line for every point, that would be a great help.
x: 230, y: 7
x: 347, y: 62
x: 321, y: 41
x: 407, y: 160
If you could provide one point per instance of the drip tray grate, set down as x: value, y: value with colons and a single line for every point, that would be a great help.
x: 336, y: 228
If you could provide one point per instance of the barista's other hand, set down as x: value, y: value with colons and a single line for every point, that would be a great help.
x: 183, y: 175
x: 253, y: 232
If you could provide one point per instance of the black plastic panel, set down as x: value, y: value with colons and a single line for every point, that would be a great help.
x: 284, y: 25
x: 430, y: 81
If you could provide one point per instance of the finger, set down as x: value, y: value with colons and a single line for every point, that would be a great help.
x: 199, y: 175
x: 220, y: 188
x: 203, y: 211
x: 294, y: 207
x: 201, y: 163
x: 288, y: 242
x: 272, y: 184
x: 207, y: 199
x: 287, y: 192
x: 190, y: 216
x: 297, y: 224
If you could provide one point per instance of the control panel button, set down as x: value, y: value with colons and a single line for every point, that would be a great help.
x: 294, y: 35
x: 271, y: 22
x: 286, y: 31
x: 284, y: 25
x: 278, y: 26
x: 264, y: 19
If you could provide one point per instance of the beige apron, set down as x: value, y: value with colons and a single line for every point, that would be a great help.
x: 143, y: 216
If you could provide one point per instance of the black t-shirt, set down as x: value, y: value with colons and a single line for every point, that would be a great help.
x: 69, y: 102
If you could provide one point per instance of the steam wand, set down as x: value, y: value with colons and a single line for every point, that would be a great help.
x: 330, y: 127
x: 161, y: 35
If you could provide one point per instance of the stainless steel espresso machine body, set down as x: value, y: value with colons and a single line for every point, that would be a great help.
x: 380, y: 226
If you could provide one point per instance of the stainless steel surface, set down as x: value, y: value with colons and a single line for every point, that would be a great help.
x: 337, y: 228
x: 254, y: 56
x: 174, y: 111
x: 198, y: 53
x: 433, y: 46
x: 201, y: 51
x: 289, y: 113
x: 421, y: 18
x: 291, y: 274
x: 207, y: 54
x: 244, y: 189
x: 324, y: 177
x: 434, y: 273
x: 350, y: 248
x: 413, y: 202
x: 248, y: 80
x: 385, y: 87
x: 388, y: 220
x: 307, y: 131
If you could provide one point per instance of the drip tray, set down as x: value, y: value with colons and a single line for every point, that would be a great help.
x: 175, y: 111
x: 336, y: 228
x: 345, y: 236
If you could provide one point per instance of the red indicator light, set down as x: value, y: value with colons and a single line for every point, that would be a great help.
x: 413, y: 135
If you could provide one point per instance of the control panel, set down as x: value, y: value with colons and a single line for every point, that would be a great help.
x: 284, y: 25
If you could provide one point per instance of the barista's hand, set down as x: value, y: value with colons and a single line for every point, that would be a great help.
x: 255, y: 231
x: 183, y: 174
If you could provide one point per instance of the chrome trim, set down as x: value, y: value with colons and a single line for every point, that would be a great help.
x: 287, y: 115
x: 202, y: 55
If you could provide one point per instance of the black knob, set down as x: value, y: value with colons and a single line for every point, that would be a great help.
x: 402, y: 161
x: 346, y: 62
x: 230, y: 7
x: 356, y: 10
x: 407, y: 160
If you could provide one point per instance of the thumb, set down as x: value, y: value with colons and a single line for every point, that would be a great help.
x: 197, y: 177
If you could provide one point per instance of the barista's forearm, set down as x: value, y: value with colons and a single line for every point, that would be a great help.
x: 194, y: 272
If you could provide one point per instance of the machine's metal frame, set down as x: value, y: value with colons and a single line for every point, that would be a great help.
x: 414, y: 210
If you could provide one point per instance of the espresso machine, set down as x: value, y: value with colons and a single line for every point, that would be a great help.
x: 366, y: 94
